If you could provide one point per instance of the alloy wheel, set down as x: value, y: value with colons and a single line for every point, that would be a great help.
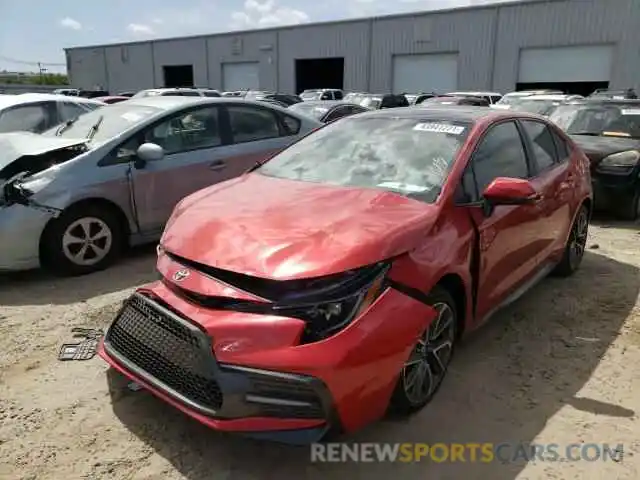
x: 428, y: 362
x: 87, y: 241
x: 578, y: 241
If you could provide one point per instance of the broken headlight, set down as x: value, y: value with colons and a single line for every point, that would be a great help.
x: 325, y: 318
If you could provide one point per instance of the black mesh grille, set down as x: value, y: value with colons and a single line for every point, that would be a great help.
x: 166, y: 350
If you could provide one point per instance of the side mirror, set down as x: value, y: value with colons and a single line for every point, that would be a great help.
x: 149, y: 152
x: 510, y: 191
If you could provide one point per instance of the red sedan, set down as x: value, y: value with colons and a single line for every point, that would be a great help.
x: 333, y: 282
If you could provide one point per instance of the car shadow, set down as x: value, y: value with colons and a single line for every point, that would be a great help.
x: 507, y: 381
x: 38, y: 287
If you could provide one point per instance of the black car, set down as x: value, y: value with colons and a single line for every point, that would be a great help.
x: 327, y: 111
x: 457, y: 100
x: 387, y: 100
x: 608, y: 131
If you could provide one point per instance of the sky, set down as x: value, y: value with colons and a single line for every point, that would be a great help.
x: 34, y: 31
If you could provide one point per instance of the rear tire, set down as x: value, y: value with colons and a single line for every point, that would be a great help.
x: 576, y: 245
x: 427, y: 365
x: 82, y: 240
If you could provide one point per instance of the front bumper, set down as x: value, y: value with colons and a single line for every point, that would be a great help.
x: 614, y: 191
x: 20, y: 231
x: 294, y: 393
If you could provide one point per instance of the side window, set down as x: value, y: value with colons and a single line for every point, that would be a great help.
x: 69, y: 111
x: 249, y: 124
x: 561, y: 144
x: 190, y: 130
x: 338, y: 95
x: 467, y: 191
x: 29, y: 118
x: 542, y: 142
x: 291, y: 125
x: 500, y: 154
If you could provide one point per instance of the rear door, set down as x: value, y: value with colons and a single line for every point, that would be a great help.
x: 194, y: 142
x: 555, y: 180
x: 256, y: 133
x: 510, y: 235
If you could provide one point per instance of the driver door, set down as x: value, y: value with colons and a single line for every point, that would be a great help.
x: 511, y: 236
x: 194, y: 142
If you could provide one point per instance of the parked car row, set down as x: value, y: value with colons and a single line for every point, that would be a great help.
x: 291, y: 240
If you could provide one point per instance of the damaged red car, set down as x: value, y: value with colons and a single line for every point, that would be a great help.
x: 332, y: 283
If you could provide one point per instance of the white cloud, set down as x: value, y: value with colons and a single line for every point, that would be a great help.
x: 266, y: 13
x: 140, y: 29
x: 70, y: 23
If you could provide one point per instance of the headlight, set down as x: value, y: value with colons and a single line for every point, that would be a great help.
x: 621, y: 162
x: 324, y: 319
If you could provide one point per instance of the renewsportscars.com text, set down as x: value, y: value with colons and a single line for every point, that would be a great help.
x: 466, y: 452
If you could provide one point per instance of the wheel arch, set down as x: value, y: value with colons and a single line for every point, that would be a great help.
x: 454, y: 284
x: 94, y: 201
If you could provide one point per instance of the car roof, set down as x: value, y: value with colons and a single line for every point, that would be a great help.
x: 455, y: 113
x: 11, y: 100
x: 469, y: 92
x: 325, y: 103
x: 175, y: 102
x: 606, y: 101
x: 553, y: 97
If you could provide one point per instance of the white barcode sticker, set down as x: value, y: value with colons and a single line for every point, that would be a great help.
x: 631, y: 111
x: 439, y: 128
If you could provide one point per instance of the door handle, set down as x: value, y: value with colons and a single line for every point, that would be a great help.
x: 217, y: 165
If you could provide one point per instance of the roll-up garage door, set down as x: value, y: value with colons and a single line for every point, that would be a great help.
x: 590, y: 63
x: 425, y: 73
x: 240, y: 76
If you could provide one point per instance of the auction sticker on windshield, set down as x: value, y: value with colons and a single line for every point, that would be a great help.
x: 405, y: 187
x: 439, y: 128
x: 132, y: 116
x: 631, y: 111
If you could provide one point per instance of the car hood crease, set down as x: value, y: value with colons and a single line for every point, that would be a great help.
x: 283, y: 229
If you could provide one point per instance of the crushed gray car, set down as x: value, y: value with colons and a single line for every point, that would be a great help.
x: 72, y: 198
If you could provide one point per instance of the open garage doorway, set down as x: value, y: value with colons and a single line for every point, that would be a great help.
x: 314, y: 73
x: 574, y: 88
x: 577, y: 69
x: 178, y: 76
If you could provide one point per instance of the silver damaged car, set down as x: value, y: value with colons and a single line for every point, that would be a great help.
x: 74, y: 197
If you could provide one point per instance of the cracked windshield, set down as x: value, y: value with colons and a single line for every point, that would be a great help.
x: 408, y: 156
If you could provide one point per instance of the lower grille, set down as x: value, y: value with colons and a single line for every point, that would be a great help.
x: 309, y: 404
x: 165, y: 350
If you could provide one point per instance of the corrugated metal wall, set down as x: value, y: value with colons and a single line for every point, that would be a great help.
x: 487, y: 40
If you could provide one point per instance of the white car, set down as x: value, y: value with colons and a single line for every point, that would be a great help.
x: 514, y: 97
x: 177, y: 92
x: 491, y: 97
x: 37, y: 112
x: 543, y: 104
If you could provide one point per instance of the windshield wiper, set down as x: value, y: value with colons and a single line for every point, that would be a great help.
x: 62, y: 128
x: 94, y: 128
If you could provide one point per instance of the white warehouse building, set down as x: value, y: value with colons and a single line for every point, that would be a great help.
x: 574, y: 45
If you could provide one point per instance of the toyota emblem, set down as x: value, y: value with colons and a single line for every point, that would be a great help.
x: 180, y: 275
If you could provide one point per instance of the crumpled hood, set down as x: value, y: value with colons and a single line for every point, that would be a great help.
x: 597, y: 148
x: 15, y: 145
x: 284, y: 229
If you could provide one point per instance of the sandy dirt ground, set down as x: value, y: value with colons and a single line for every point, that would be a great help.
x: 559, y: 366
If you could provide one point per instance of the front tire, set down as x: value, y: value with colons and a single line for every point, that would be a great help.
x: 576, y: 245
x: 427, y: 365
x: 82, y: 240
x: 631, y: 211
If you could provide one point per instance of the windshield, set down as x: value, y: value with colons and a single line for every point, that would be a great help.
x: 408, y: 156
x: 541, y: 107
x: 116, y: 118
x: 310, y: 110
x: 601, y: 120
